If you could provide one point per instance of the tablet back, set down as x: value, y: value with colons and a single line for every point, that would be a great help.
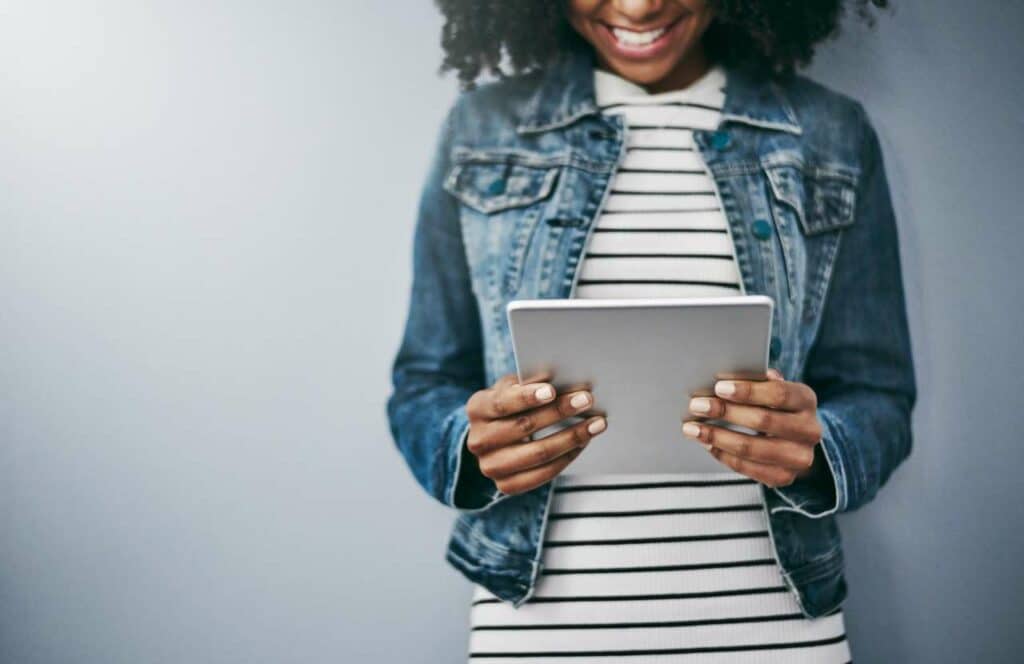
x: 642, y: 359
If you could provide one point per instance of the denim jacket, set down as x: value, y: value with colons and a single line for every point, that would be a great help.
x: 521, y: 169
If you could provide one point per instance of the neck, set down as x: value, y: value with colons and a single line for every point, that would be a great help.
x: 689, y: 68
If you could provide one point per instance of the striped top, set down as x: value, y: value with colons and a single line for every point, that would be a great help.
x: 657, y: 567
x: 662, y: 231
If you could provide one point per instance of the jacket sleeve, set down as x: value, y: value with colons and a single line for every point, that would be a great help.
x: 860, y: 365
x: 439, y: 363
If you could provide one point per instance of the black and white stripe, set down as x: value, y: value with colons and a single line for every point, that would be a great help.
x: 661, y: 232
x: 656, y: 568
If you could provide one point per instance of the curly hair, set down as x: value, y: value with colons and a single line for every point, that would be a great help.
x: 771, y: 37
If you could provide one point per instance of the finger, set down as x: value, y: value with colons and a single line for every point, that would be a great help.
x: 759, y: 449
x: 506, y: 399
x: 802, y: 427
x: 515, y: 459
x: 772, y: 476
x: 519, y: 427
x: 778, y: 394
x: 535, y: 477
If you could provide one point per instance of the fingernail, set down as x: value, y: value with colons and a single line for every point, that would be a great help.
x: 544, y: 393
x: 597, y: 426
x: 691, y: 429
x: 725, y: 388
x: 580, y: 400
x: 700, y: 405
x: 706, y: 446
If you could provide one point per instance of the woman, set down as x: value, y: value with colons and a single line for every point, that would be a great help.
x: 646, y: 148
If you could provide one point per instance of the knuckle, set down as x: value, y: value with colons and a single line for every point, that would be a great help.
x: 765, y: 420
x: 507, y: 487
x: 539, y: 453
x: 777, y: 395
x: 487, y: 468
x: 744, y: 446
x: 524, y: 424
x: 473, y: 404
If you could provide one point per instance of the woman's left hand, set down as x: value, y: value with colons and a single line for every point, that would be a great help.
x: 784, y: 412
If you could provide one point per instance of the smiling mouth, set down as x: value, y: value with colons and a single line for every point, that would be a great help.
x: 638, y: 39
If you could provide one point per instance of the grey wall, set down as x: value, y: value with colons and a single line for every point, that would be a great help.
x: 205, y: 226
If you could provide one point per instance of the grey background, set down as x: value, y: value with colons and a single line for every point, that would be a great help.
x: 205, y: 225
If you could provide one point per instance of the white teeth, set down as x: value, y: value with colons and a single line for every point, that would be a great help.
x: 630, y: 38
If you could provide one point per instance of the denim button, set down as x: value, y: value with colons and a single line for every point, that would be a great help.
x: 496, y: 187
x: 720, y: 140
x: 774, y: 348
x: 761, y: 229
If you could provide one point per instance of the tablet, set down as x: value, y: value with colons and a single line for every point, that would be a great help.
x: 642, y: 358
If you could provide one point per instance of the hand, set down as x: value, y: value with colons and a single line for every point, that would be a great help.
x: 785, y: 414
x: 502, y: 419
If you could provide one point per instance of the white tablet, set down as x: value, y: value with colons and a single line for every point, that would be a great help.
x: 642, y: 358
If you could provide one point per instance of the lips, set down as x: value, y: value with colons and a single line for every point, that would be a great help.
x: 639, y: 44
x: 631, y: 38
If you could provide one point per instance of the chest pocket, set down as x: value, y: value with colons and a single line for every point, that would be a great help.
x: 822, y: 199
x: 811, y: 205
x: 502, y: 196
x: 493, y: 187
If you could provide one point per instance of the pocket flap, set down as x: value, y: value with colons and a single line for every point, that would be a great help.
x: 496, y: 186
x: 824, y: 199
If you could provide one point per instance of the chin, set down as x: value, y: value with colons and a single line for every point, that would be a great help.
x: 644, y: 74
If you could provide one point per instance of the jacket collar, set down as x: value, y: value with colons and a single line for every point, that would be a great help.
x: 566, y: 93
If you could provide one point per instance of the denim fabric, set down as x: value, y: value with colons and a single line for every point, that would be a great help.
x: 520, y: 171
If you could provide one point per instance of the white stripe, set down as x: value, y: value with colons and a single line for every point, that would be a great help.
x: 707, y: 608
x: 663, y: 182
x: 662, y: 160
x: 668, y: 269
x: 622, y: 291
x: 660, y: 583
x: 693, y: 219
x: 650, y: 202
x: 822, y: 655
x: 656, y: 526
x: 613, y: 242
x: 659, y: 554
x: 659, y: 138
x: 790, y: 631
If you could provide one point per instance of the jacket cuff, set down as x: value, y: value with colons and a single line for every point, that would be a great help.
x: 468, y: 489
x: 824, y: 493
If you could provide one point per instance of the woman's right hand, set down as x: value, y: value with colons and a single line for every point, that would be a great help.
x: 503, y: 417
